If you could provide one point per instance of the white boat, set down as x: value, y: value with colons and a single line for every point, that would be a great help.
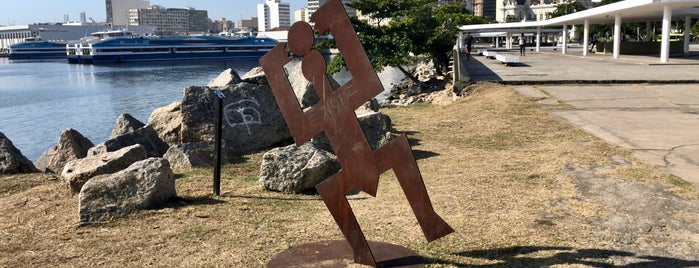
x: 36, y: 48
x: 123, y: 46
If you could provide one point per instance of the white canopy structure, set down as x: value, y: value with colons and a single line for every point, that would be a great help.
x: 628, y: 11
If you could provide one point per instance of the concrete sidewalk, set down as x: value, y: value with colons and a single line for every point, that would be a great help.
x: 631, y: 102
x: 550, y: 66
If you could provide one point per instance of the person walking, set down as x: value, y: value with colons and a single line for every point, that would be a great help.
x: 522, y: 46
x: 469, y: 43
x: 593, y: 42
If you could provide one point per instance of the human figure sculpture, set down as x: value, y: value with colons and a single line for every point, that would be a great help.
x: 334, y: 115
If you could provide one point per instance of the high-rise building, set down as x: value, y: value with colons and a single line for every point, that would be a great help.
x: 118, y: 10
x: 301, y: 14
x: 489, y: 9
x: 171, y: 20
x: 273, y: 14
x: 313, y: 5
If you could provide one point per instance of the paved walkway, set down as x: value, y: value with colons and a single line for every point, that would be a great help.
x: 633, y: 102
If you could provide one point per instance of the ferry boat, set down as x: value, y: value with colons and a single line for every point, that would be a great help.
x: 123, y: 46
x: 36, y: 48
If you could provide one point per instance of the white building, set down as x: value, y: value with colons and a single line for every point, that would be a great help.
x: 313, y: 5
x: 528, y: 10
x: 273, y: 14
x: 118, y: 10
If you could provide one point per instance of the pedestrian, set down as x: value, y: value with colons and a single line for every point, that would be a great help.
x: 522, y: 46
x: 593, y: 42
x: 469, y: 43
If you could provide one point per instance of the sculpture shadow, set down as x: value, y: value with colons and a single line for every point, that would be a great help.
x: 523, y: 256
x: 418, y: 154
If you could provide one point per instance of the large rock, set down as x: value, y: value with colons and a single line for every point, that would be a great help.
x: 71, y: 146
x: 304, y: 90
x: 12, y: 160
x: 227, y: 78
x: 145, y: 136
x: 252, y: 120
x: 167, y: 122
x: 143, y: 185
x: 255, y: 76
x: 296, y: 169
x: 197, y: 154
x: 125, y: 124
x: 376, y: 127
x: 77, y: 172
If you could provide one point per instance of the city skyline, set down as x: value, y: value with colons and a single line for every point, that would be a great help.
x: 41, y: 11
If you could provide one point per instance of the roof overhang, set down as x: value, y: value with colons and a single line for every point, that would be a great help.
x: 629, y: 10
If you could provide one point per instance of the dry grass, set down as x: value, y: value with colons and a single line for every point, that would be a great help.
x: 492, y: 163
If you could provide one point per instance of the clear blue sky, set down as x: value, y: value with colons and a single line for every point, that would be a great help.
x: 35, y: 11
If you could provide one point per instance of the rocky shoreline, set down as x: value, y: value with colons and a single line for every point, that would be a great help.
x: 181, y: 135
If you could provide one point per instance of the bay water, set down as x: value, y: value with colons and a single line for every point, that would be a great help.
x: 39, y: 99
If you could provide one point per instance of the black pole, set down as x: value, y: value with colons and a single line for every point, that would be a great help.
x: 217, y: 145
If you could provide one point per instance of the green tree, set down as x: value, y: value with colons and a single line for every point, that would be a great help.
x: 441, y: 42
x: 401, y: 29
x: 567, y: 7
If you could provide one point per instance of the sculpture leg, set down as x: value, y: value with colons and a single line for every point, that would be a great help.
x: 333, y: 191
x: 410, y: 179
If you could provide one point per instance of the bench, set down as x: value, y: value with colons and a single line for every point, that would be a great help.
x: 507, y: 59
x: 490, y: 54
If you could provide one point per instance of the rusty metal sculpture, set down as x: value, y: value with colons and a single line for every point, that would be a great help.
x: 334, y: 115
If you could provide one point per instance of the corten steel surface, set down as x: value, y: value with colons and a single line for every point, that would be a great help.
x: 334, y: 115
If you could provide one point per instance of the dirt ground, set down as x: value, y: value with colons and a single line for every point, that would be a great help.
x: 521, y: 187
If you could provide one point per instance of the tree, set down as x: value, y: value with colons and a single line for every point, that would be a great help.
x: 440, y: 44
x: 400, y: 29
x: 566, y: 8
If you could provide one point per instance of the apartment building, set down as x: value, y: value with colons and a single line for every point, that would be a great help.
x: 170, y: 21
x: 118, y: 10
x: 273, y: 14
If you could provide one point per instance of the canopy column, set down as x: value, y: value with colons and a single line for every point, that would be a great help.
x: 648, y: 28
x: 508, y: 40
x: 538, y: 39
x: 665, y: 42
x: 687, y: 30
x: 460, y: 41
x: 617, y: 35
x: 586, y: 36
x: 564, y: 44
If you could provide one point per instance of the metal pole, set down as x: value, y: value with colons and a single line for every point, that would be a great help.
x: 217, y: 142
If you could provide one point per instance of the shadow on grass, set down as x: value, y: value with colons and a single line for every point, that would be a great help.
x: 180, y: 202
x: 538, y: 256
x: 418, y: 154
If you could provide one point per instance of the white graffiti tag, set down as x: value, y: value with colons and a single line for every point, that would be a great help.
x: 242, y: 112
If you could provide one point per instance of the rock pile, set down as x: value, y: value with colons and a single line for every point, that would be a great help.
x: 432, y: 87
x: 133, y: 169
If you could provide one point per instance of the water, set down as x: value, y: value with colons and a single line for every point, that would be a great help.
x: 38, y: 100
